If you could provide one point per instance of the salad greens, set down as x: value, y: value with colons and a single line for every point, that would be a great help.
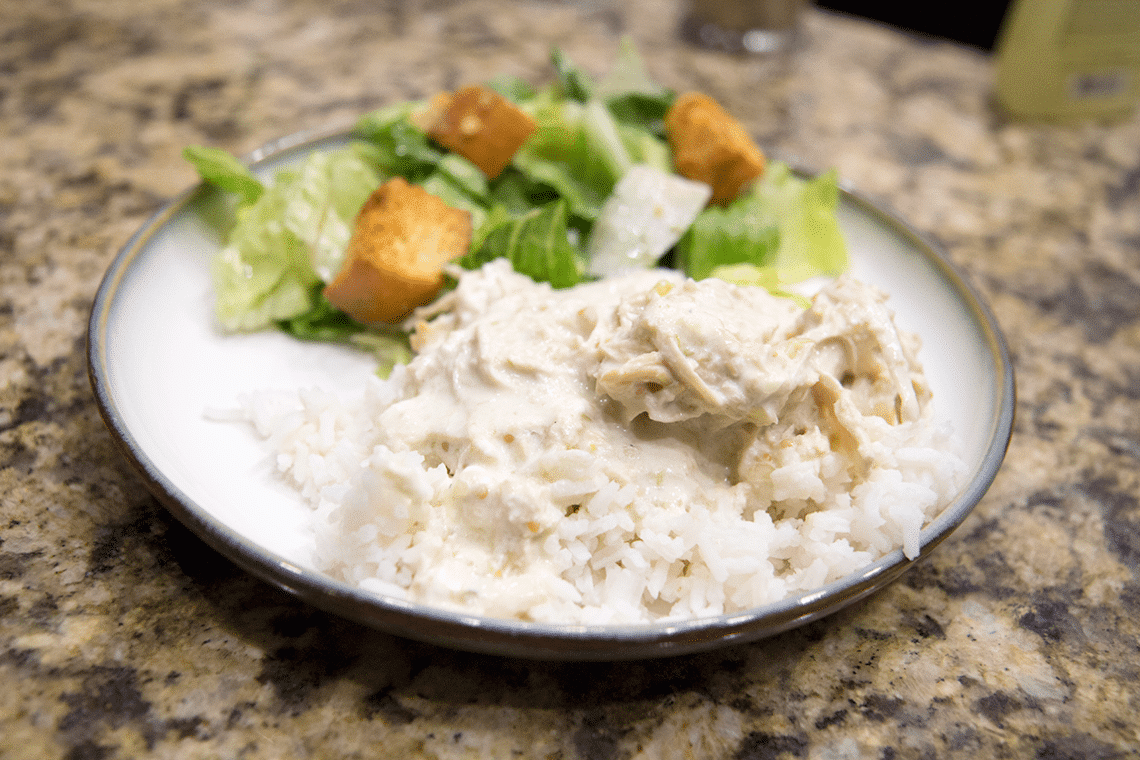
x: 548, y: 212
x: 537, y: 242
x: 288, y: 237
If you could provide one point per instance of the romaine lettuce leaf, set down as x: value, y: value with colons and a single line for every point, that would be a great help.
x: 460, y: 184
x: 389, y: 349
x: 590, y: 135
x: 322, y: 322
x: 537, y: 244
x: 631, y: 93
x: 222, y: 169
x: 519, y: 192
x: 289, y: 240
x: 766, y: 277
x: 565, y: 140
x: 574, y: 84
x: 743, y: 232
x: 644, y: 147
x: 545, y: 176
x: 577, y: 154
x: 325, y: 323
x: 512, y: 88
x: 811, y: 241
x: 603, y: 139
x: 628, y: 75
x: 395, y: 145
x: 628, y: 90
x: 465, y: 175
x: 351, y: 178
x: 783, y: 222
x: 444, y: 188
x: 321, y: 205
x: 264, y: 273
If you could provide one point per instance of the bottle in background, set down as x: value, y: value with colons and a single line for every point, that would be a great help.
x: 1060, y: 60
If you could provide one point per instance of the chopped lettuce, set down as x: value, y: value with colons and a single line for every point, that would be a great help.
x: 289, y: 240
x: 541, y: 180
x: 460, y: 184
x: 742, y: 232
x: 388, y: 349
x: 537, y: 244
x: 762, y: 276
x: 592, y: 191
x: 222, y: 169
x: 322, y: 322
x: 396, y: 146
x: 783, y: 223
x: 811, y: 241
x: 644, y: 147
x: 322, y: 204
x: 574, y: 84
x: 629, y: 76
x: 264, y: 273
x: 590, y: 135
x: 512, y: 88
x: 600, y: 129
x: 327, y: 324
x: 570, y: 152
x: 519, y: 191
x: 580, y: 151
x: 632, y: 95
x: 464, y: 175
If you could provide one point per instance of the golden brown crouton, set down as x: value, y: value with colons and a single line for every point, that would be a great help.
x: 712, y: 147
x: 480, y: 125
x: 394, y: 262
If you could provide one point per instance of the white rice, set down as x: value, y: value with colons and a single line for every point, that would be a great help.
x: 554, y: 526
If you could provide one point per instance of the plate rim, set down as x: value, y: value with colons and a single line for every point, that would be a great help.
x: 547, y: 641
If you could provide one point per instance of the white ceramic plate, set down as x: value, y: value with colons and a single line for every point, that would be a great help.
x: 157, y: 364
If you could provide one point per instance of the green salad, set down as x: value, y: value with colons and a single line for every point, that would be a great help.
x: 565, y: 209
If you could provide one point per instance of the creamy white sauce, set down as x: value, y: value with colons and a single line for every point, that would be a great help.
x: 638, y: 448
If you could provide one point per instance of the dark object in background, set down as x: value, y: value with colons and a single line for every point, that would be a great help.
x: 972, y: 23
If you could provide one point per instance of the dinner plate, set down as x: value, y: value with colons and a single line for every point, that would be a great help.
x: 158, y: 365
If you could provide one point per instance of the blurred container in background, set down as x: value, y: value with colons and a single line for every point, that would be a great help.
x: 1061, y: 60
x: 743, y: 26
x: 972, y: 22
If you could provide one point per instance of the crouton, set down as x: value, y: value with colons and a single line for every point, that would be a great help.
x: 479, y: 124
x: 402, y: 237
x: 710, y: 146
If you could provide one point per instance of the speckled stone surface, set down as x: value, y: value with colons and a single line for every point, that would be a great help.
x: 124, y: 636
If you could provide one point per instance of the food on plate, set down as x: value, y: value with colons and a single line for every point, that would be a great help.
x: 562, y: 207
x: 641, y: 448
x: 402, y: 237
x: 710, y: 146
x: 599, y: 399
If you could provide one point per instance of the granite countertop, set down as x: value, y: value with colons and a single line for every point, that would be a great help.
x: 122, y: 635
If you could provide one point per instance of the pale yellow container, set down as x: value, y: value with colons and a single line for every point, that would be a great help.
x: 1061, y: 60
